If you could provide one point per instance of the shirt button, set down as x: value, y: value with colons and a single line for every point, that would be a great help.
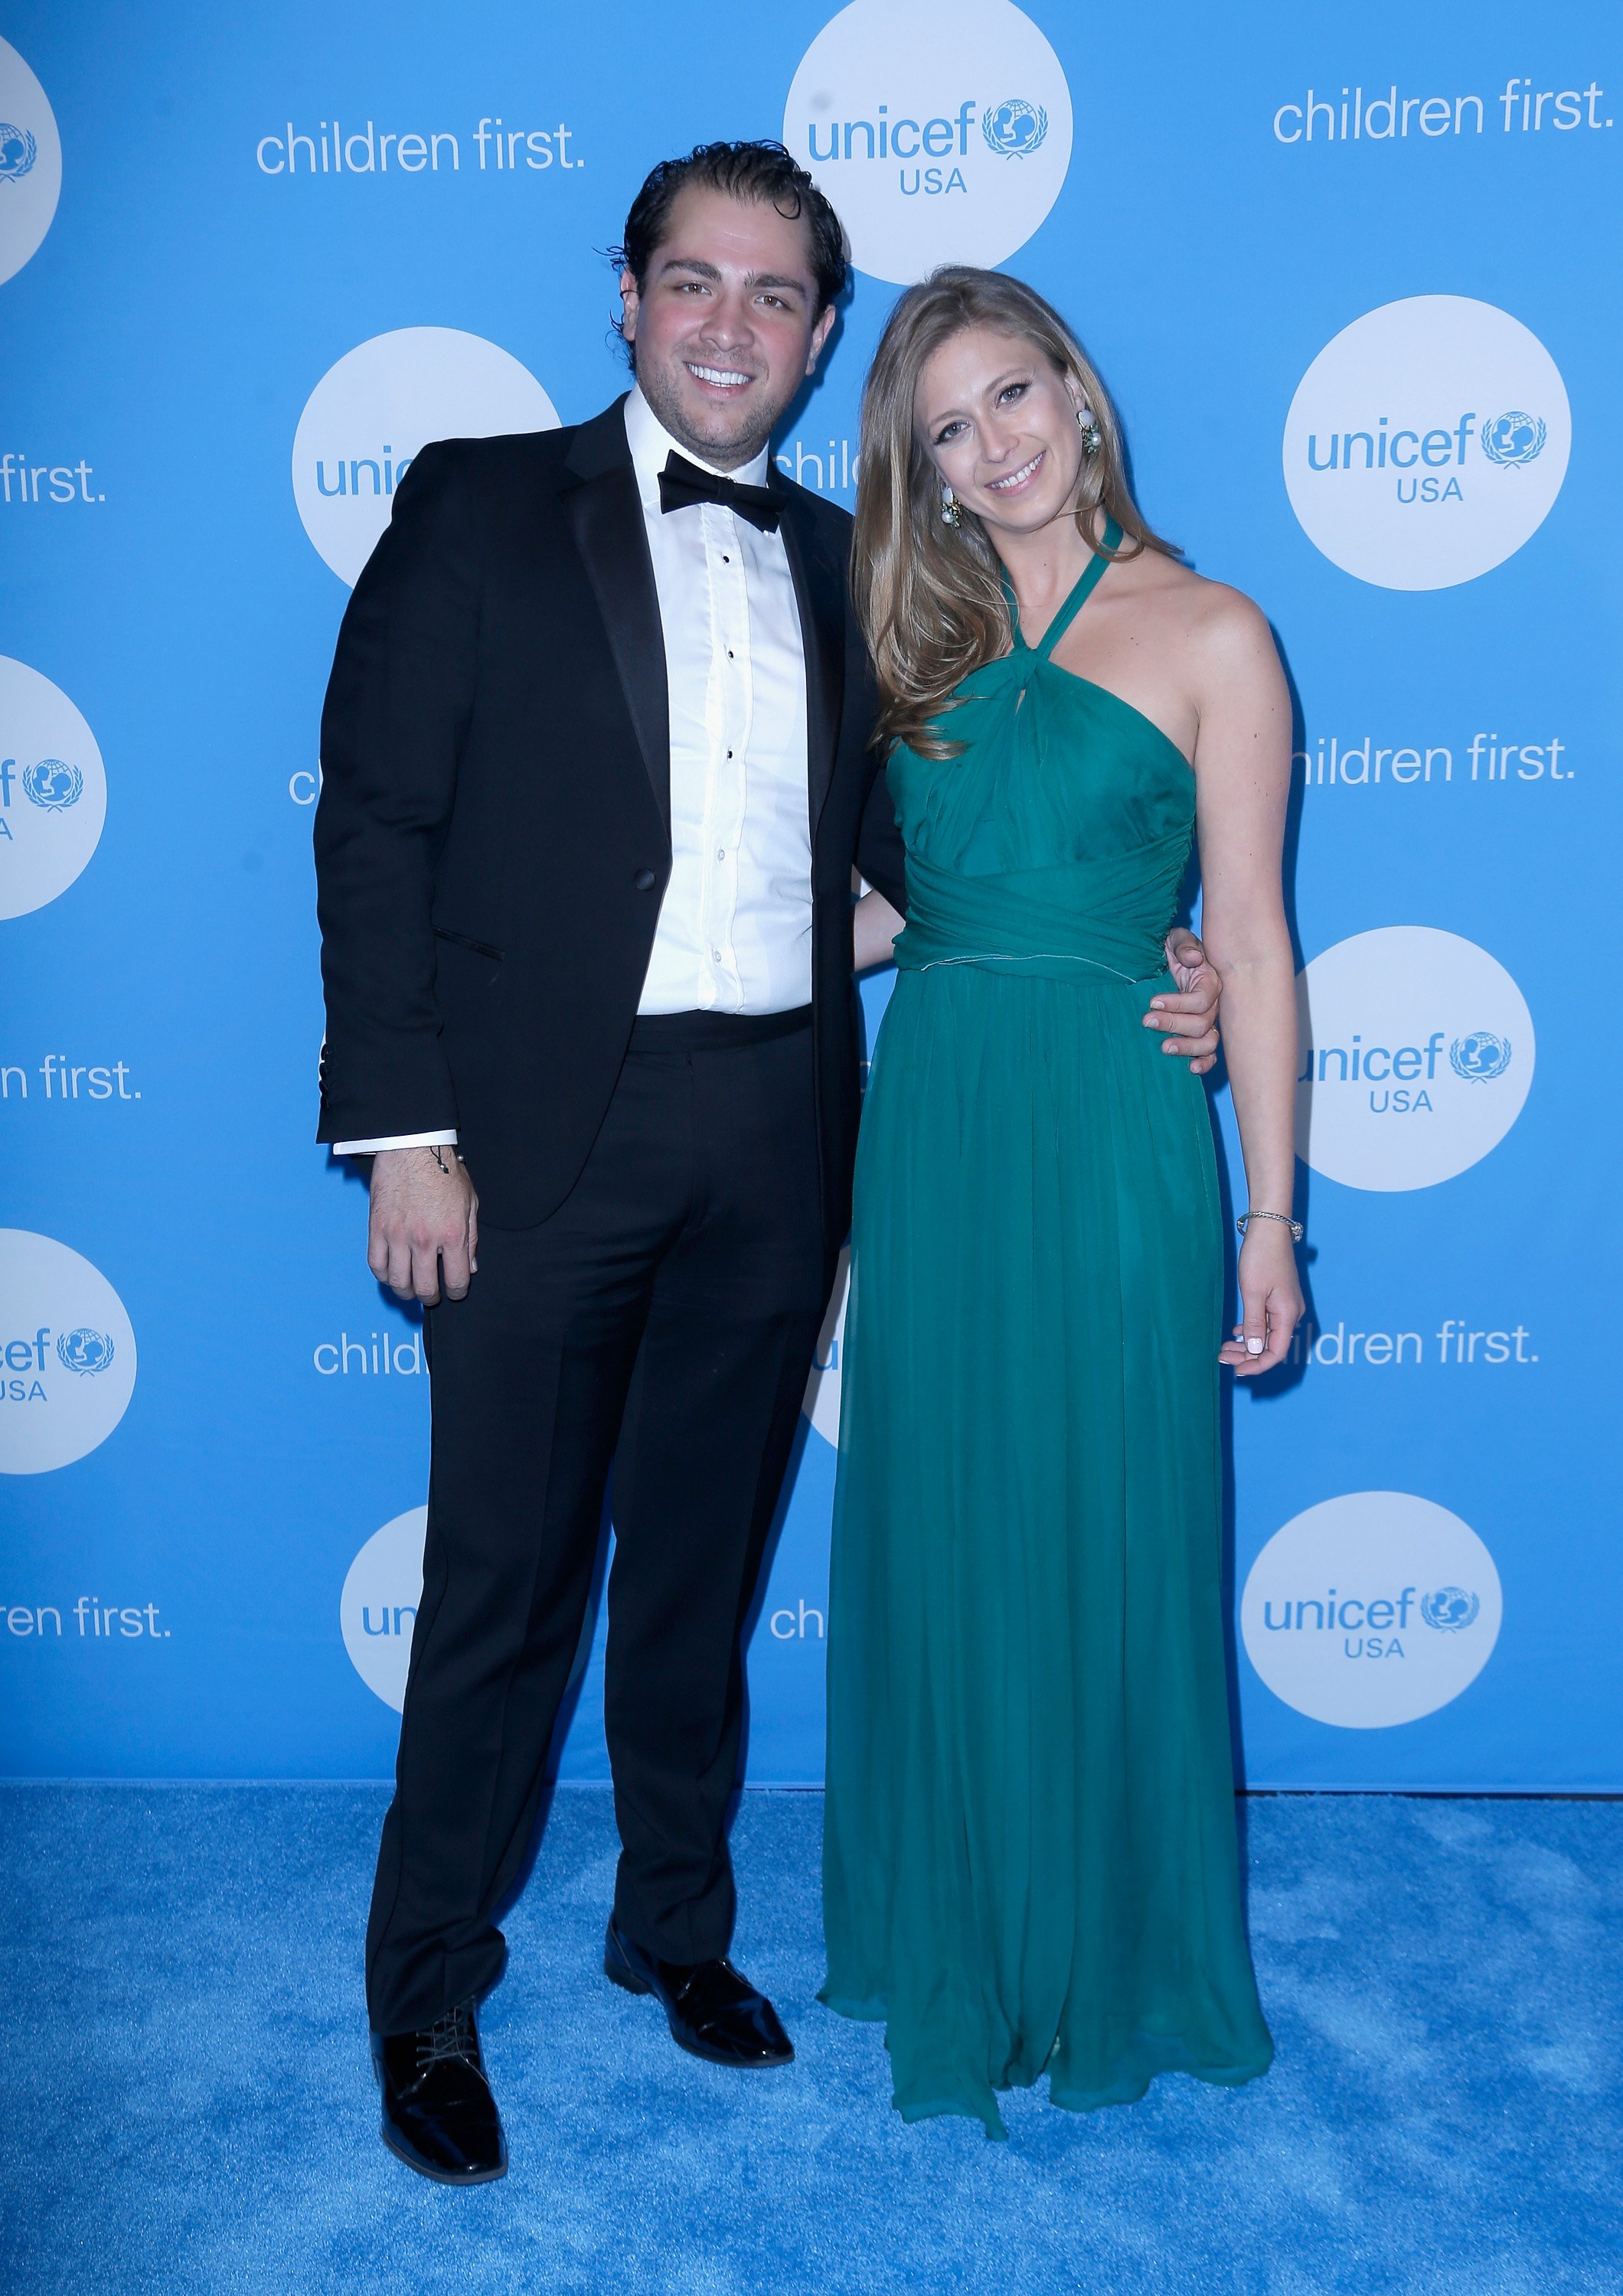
x: 729, y: 653
x: 645, y: 881
x: 716, y: 954
x: 720, y: 853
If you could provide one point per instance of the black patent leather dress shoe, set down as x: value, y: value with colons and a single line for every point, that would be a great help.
x: 439, y: 2114
x: 711, y: 2009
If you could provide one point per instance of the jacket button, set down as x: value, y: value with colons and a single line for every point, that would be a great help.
x: 645, y: 881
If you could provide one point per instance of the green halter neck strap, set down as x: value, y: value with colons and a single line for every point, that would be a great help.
x: 1074, y: 604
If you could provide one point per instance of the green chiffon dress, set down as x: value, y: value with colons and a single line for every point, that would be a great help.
x: 1030, y: 1860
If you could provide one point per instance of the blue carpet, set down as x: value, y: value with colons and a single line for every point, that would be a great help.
x: 187, y: 2106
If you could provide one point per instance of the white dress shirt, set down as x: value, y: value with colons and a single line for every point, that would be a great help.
x: 734, y: 927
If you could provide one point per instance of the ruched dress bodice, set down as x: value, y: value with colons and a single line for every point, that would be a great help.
x: 1055, y: 843
x: 1030, y: 1864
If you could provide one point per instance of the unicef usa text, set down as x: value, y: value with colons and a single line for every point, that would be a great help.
x: 1389, y: 117
x: 327, y: 150
x: 1331, y: 763
x: 1455, y: 1344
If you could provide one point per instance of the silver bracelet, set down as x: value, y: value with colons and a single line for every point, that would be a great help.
x: 1284, y: 1218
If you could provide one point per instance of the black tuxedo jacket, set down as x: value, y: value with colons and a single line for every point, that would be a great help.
x: 493, y: 835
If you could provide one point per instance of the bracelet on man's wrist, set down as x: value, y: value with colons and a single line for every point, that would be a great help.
x: 1284, y: 1218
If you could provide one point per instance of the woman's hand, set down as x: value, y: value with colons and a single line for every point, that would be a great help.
x: 1269, y: 1300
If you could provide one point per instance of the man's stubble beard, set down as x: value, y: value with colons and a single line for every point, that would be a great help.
x: 726, y: 452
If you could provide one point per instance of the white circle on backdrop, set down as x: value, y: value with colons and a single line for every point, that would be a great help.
x: 1468, y: 429
x: 376, y: 405
x: 822, y: 1400
x: 940, y: 130
x: 1421, y: 1574
x: 1415, y: 1056
x: 31, y: 162
x: 378, y: 1607
x: 66, y: 1355
x: 53, y: 790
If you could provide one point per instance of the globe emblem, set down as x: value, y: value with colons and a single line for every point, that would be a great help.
x: 1480, y: 1056
x: 1014, y: 128
x: 85, y: 1351
x: 1449, y: 1609
x: 1512, y: 438
x: 18, y: 151
x: 54, y: 784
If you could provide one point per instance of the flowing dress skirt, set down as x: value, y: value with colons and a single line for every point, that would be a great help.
x: 1030, y: 1856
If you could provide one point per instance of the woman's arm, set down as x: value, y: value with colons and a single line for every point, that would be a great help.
x: 875, y: 925
x: 1242, y: 780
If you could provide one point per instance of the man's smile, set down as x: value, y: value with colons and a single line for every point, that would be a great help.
x: 718, y: 378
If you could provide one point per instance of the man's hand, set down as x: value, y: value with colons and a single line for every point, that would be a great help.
x: 424, y: 1218
x: 1190, y: 1018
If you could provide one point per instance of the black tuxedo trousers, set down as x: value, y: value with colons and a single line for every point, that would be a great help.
x: 662, y: 1319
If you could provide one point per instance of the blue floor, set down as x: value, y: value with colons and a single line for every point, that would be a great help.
x: 187, y: 2108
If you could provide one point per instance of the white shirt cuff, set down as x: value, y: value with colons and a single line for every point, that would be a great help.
x: 405, y: 1140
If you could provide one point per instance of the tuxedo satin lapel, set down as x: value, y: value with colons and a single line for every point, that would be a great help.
x: 819, y: 589
x: 605, y: 514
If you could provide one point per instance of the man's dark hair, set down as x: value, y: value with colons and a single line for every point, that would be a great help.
x: 763, y: 171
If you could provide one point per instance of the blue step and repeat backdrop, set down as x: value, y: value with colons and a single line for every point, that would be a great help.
x: 1351, y: 275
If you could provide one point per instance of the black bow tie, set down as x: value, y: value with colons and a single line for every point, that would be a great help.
x: 682, y: 482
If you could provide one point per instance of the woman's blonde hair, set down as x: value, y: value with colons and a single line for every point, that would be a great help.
x: 930, y: 596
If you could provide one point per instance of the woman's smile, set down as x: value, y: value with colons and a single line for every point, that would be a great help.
x: 1019, y: 480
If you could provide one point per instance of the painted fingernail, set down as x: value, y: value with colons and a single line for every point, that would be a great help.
x: 1254, y: 1347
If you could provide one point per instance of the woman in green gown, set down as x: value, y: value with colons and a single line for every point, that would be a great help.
x: 1030, y: 1860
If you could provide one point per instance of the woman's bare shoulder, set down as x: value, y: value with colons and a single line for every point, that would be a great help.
x: 1211, y: 614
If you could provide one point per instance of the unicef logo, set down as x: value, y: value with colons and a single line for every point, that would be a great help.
x: 1336, y: 1622
x: 31, y: 162
x: 1451, y: 1610
x: 1399, y: 1085
x: 1509, y: 439
x: 1015, y: 127
x: 884, y: 112
x: 53, y: 784
x: 1396, y: 465
x: 1479, y: 1057
x: 18, y: 151
x: 380, y: 402
x: 66, y: 1355
x: 821, y: 1404
x: 84, y: 1351
x: 52, y: 811
x: 377, y: 1608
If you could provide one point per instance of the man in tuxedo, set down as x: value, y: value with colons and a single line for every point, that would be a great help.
x: 597, y: 772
